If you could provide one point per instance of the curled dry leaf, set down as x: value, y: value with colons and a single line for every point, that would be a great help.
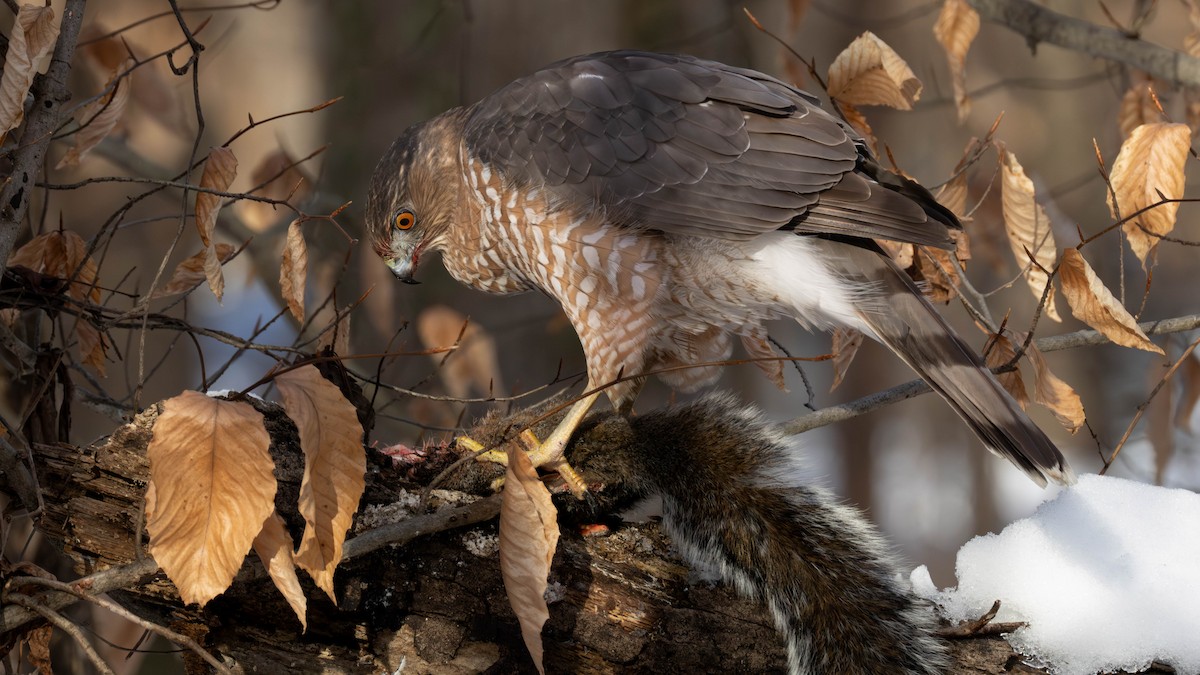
x: 869, y: 72
x: 91, y: 345
x: 899, y: 251
x: 1052, y: 392
x: 274, y: 548
x: 528, y: 537
x: 219, y: 171
x: 32, y: 38
x: 61, y: 254
x: 1092, y: 303
x: 337, y: 337
x: 758, y: 347
x: 98, y: 118
x: 1148, y: 169
x: 859, y: 122
x: 1028, y: 229
x: 845, y: 345
x: 335, y: 465
x: 937, y: 269
x: 190, y: 273
x: 281, y: 179
x: 213, y: 486
x: 956, y: 27
x: 473, y: 365
x: 1001, y: 352
x: 1137, y: 105
x: 294, y: 270
x: 953, y: 194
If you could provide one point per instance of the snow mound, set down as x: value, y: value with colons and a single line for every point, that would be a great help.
x: 1107, y: 576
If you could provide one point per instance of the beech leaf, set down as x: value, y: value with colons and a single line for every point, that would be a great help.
x: 528, y: 538
x: 293, y: 270
x: 280, y: 179
x: 274, y: 548
x: 1052, y: 392
x: 213, y: 487
x: 32, y: 38
x: 335, y: 465
x: 98, y: 118
x: 474, y: 364
x: 1092, y: 303
x: 1137, y: 105
x: 1028, y: 229
x: 1002, y: 351
x: 219, y: 171
x: 869, y: 72
x: 845, y: 345
x: 956, y: 27
x: 91, y: 345
x: 190, y: 273
x: 1148, y: 168
x: 938, y: 271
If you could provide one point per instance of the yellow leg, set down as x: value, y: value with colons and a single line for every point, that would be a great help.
x: 548, y: 453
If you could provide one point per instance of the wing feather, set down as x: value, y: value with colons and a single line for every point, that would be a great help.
x: 695, y: 147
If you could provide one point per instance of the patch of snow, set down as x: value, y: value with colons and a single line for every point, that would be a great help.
x: 1106, y: 575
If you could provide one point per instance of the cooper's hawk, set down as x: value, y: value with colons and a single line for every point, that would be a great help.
x: 670, y: 203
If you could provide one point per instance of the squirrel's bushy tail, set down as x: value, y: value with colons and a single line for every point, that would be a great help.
x: 732, y: 505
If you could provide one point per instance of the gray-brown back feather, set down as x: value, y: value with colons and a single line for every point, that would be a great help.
x: 696, y: 147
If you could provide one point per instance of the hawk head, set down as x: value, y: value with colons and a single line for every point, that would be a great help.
x: 412, y: 197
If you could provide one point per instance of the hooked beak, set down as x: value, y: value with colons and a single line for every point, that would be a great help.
x: 402, y: 268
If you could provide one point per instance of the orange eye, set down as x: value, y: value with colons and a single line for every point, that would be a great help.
x: 405, y: 220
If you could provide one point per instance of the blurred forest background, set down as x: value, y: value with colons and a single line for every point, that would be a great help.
x: 913, y: 467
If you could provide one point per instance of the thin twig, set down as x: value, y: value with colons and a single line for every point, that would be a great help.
x: 60, y: 622
x: 76, y: 590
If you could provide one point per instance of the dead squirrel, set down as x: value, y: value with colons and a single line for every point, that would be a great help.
x: 733, y: 504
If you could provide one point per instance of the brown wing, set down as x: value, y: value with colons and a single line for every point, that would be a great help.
x: 697, y: 147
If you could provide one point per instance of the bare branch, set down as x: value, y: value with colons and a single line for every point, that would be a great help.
x: 44, y: 118
x: 1039, y: 24
x: 1083, y: 338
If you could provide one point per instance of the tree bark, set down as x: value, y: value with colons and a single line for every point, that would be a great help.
x: 621, y: 603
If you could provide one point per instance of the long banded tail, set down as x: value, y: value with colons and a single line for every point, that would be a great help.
x: 907, y: 323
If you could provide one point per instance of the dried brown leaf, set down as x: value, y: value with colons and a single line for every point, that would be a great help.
x: 528, y: 537
x: 1002, y: 351
x: 335, y: 465
x: 1189, y: 377
x: 869, y: 72
x: 281, y: 179
x: 1092, y: 303
x: 337, y: 339
x: 273, y: 545
x: 1051, y: 391
x: 219, y: 171
x: 37, y: 643
x: 213, y: 488
x: 61, y: 254
x: 91, y: 345
x: 845, y: 345
x: 1150, y: 164
x: 935, y: 266
x: 32, y: 38
x: 899, y: 251
x: 190, y: 273
x: 953, y: 194
x: 474, y: 366
x: 98, y: 118
x: 1137, y: 105
x: 294, y: 270
x: 1028, y: 229
x: 859, y: 122
x: 956, y: 27
x: 758, y: 347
